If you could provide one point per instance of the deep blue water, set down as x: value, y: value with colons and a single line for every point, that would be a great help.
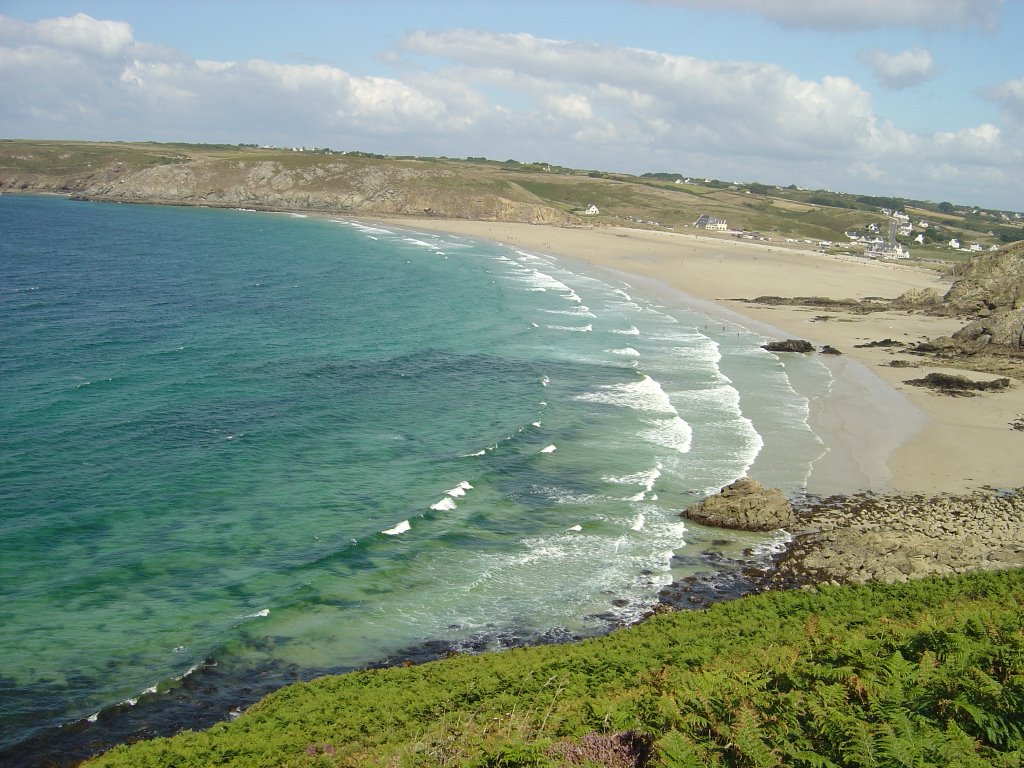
x: 310, y: 444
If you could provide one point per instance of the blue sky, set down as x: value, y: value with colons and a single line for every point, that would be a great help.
x: 920, y: 98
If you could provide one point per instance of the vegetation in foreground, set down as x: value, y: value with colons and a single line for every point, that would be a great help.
x: 919, y: 674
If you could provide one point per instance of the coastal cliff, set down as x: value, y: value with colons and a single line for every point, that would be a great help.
x: 278, y: 180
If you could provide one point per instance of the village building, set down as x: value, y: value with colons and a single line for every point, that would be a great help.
x: 707, y: 221
x: 881, y: 250
x: 592, y: 210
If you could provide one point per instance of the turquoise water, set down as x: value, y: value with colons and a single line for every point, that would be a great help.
x: 268, y: 438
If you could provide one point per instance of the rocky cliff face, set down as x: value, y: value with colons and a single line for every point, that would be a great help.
x: 327, y: 186
x: 990, y: 281
x: 990, y: 290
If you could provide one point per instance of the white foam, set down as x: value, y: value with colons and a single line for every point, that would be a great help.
x: 459, y: 490
x: 259, y: 614
x: 544, y: 381
x: 402, y: 527
x: 536, y: 279
x: 535, y: 424
x: 671, y: 433
x: 579, y: 311
x: 626, y: 351
x: 645, y: 394
x: 444, y: 505
x: 638, y: 522
x: 576, y: 528
x: 631, y: 331
x: 549, y: 449
x: 367, y: 228
x: 645, y: 478
x: 576, y: 328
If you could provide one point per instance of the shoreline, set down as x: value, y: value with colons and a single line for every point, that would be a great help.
x: 883, y: 435
x: 860, y: 374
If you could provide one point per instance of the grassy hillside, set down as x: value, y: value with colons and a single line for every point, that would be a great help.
x: 929, y: 673
x: 476, y: 188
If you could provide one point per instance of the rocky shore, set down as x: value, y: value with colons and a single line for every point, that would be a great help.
x: 854, y: 539
x: 867, y: 537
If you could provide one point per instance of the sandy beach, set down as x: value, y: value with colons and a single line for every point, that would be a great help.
x: 882, y: 434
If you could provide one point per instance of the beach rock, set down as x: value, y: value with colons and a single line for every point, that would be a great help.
x: 861, y: 538
x: 917, y: 298
x: 1002, y: 328
x: 960, y: 385
x: 789, y: 345
x: 881, y: 343
x: 828, y: 349
x: 745, y: 505
x: 993, y: 280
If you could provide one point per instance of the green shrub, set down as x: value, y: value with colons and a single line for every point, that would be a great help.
x: 925, y: 673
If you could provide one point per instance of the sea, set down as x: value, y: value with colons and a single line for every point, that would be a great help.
x: 243, y: 448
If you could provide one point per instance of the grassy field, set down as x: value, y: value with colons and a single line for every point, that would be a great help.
x: 929, y: 673
x: 653, y: 201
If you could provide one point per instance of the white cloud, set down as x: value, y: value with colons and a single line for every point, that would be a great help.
x: 901, y: 70
x: 1009, y: 96
x: 860, y: 14
x: 93, y: 74
x: 502, y: 95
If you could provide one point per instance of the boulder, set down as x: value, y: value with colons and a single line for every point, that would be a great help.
x: 1002, y: 328
x: 917, y: 298
x: 745, y: 505
x: 789, y: 345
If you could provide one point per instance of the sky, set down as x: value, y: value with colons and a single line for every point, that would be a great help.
x: 914, y: 98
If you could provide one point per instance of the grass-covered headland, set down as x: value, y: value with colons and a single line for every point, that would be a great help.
x: 919, y: 674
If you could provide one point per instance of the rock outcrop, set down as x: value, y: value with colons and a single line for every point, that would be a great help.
x: 990, y: 281
x: 990, y: 290
x: 855, y: 539
x: 320, y: 184
x: 917, y: 298
x: 745, y: 505
x: 952, y: 384
x: 789, y: 345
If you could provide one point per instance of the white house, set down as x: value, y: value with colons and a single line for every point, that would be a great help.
x: 707, y: 221
x: 954, y: 243
x: 919, y: 239
x: 977, y: 247
x: 592, y: 210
